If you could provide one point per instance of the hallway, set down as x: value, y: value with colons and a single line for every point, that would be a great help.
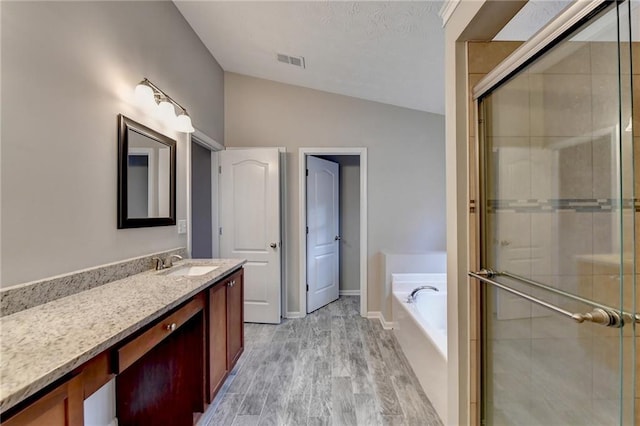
x: 331, y: 368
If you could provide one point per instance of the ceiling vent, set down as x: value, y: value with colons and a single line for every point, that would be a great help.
x: 297, y: 61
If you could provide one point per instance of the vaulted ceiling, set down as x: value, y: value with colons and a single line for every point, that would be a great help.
x: 390, y: 52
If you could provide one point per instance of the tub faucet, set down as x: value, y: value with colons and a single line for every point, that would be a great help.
x: 412, y: 296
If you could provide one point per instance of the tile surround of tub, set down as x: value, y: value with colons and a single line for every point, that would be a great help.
x: 28, y: 295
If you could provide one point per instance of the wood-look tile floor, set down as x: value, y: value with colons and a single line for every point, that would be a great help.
x: 331, y: 368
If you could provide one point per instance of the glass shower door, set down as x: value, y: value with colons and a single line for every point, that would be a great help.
x: 557, y: 231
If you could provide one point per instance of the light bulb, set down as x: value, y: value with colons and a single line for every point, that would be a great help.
x: 144, y: 96
x: 183, y: 123
x: 167, y: 111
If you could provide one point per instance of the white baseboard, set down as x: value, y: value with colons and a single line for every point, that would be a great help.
x: 293, y: 315
x: 387, y: 325
x: 349, y: 292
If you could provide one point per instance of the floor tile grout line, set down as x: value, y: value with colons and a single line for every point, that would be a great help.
x: 369, y: 355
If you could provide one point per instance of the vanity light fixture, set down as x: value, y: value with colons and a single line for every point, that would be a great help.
x: 166, y: 111
x: 149, y: 95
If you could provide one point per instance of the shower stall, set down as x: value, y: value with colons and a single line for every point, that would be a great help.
x: 558, y: 223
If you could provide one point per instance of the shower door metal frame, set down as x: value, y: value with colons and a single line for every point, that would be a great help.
x: 548, y: 37
x: 573, y: 17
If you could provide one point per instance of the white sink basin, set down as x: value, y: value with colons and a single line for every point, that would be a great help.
x: 192, y: 270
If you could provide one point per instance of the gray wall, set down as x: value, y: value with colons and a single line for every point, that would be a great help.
x: 201, y: 225
x: 406, y: 211
x: 68, y: 70
x: 349, y: 219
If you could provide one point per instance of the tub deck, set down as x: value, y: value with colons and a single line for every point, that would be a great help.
x: 421, y: 330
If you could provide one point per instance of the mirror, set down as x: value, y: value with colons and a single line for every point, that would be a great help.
x: 146, y: 176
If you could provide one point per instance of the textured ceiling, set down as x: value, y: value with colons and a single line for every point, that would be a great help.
x: 390, y: 52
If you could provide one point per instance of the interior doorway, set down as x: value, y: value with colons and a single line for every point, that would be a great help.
x: 350, y: 240
x: 202, y: 184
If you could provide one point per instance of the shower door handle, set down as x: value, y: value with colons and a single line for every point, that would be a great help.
x: 606, y: 317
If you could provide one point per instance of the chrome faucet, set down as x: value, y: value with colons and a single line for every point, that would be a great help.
x: 412, y: 296
x: 168, y: 263
x: 159, y: 263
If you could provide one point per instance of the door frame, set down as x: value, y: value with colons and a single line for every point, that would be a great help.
x: 302, y: 220
x: 212, y: 145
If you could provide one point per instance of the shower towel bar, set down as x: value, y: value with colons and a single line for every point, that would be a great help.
x: 488, y: 272
x: 606, y: 317
x: 626, y: 316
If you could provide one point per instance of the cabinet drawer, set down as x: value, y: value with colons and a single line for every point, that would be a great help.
x: 135, y: 349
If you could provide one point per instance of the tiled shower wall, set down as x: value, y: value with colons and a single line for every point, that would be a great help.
x: 482, y: 57
x: 569, y: 247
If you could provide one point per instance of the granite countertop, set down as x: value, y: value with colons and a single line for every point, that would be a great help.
x: 42, y: 344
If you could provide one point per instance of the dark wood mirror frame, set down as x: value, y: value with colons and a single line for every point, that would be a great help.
x: 124, y: 125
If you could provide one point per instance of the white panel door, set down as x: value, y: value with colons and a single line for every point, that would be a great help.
x: 323, y: 232
x: 250, y: 226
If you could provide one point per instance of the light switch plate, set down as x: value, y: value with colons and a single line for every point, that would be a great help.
x: 182, y: 226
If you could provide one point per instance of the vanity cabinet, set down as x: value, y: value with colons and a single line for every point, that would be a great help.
x: 164, y: 373
x: 225, y: 337
x: 217, y: 340
x: 62, y: 406
x: 235, y: 318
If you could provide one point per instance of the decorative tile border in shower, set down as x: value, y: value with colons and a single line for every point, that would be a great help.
x: 579, y: 205
x: 28, y: 295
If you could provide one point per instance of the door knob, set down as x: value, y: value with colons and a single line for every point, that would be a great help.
x: 273, y: 245
x: 338, y: 238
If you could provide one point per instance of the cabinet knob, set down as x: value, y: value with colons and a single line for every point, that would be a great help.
x: 232, y: 283
x: 273, y: 245
x: 171, y: 327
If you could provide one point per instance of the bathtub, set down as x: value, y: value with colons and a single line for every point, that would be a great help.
x: 421, y: 330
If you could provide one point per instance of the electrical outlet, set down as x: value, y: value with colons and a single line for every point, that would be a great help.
x: 182, y: 226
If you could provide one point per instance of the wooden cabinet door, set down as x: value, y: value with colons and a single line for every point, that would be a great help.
x: 62, y: 406
x: 235, y: 318
x: 217, y: 339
